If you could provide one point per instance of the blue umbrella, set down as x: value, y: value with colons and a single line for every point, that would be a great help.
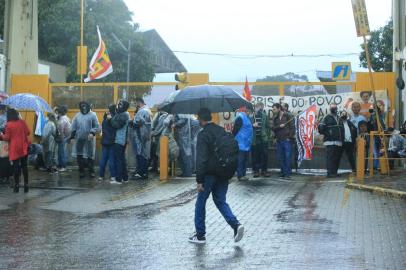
x: 29, y: 102
x: 216, y: 98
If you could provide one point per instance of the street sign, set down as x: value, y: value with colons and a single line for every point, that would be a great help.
x: 341, y: 71
x: 360, y: 17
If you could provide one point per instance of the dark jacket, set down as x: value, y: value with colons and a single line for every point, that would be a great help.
x: 373, y: 123
x: 286, y: 132
x: 205, y: 161
x: 108, y: 132
x: 265, y: 129
x: 353, y: 130
x: 332, y: 128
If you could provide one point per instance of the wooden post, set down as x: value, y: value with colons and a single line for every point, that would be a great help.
x: 371, y: 79
x: 360, y: 159
x: 163, y: 158
x: 371, y: 153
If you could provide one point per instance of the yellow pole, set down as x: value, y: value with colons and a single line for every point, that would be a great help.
x: 378, y: 121
x: 163, y: 158
x: 360, y: 158
x: 81, y: 44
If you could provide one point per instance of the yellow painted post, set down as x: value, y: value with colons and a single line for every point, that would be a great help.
x: 371, y: 153
x: 115, y: 93
x: 360, y: 159
x: 281, y: 90
x: 163, y: 158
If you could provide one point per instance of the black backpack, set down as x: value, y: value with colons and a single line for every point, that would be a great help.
x: 226, y: 155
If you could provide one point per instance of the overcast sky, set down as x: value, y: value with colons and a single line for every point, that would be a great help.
x: 257, y: 27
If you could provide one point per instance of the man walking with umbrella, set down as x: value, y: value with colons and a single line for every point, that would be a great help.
x: 210, y: 180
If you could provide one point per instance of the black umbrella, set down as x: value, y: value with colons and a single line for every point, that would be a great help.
x: 216, y: 98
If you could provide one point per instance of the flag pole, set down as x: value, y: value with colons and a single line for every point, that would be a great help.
x: 81, y: 45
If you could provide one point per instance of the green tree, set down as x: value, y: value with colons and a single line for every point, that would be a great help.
x: 380, y: 48
x: 59, y: 34
x: 270, y: 90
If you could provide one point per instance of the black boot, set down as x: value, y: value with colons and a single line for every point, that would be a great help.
x: 81, y: 166
x: 90, y: 167
x: 26, y: 185
x: 16, y: 185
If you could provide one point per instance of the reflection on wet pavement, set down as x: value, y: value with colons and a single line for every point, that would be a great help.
x: 299, y: 224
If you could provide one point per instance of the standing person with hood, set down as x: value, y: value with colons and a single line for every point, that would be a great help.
x: 243, y: 133
x: 63, y: 126
x: 283, y: 127
x: 120, y: 123
x: 16, y: 133
x: 142, y: 126
x: 350, y: 137
x: 50, y: 140
x: 107, y: 142
x: 260, y: 141
x: 183, y: 138
x: 332, y: 128
x: 85, y: 126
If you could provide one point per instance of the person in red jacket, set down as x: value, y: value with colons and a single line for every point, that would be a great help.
x: 16, y: 133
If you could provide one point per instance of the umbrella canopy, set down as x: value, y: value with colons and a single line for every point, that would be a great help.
x: 217, y: 98
x: 27, y: 101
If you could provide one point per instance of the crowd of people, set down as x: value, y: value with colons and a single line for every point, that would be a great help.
x: 254, y: 130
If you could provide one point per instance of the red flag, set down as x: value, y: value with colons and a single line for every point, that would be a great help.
x: 305, y: 122
x: 247, y: 92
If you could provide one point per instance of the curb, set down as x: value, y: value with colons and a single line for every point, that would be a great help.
x: 379, y: 190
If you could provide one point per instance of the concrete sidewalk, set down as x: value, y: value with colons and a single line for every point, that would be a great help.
x: 390, y: 185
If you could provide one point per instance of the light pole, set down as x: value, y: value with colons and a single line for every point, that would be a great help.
x: 128, y: 50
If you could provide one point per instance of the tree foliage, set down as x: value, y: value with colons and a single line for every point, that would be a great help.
x: 270, y: 90
x: 59, y: 34
x: 380, y: 48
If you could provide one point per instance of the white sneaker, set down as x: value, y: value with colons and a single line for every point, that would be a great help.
x: 238, y: 233
x: 112, y: 179
x: 62, y: 170
x: 100, y: 178
x: 116, y: 182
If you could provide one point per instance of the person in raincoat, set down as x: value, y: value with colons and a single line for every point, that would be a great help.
x: 183, y: 136
x: 142, y: 128
x: 63, y: 126
x: 243, y: 133
x: 3, y: 117
x: 84, y: 128
x: 156, y: 132
x: 50, y: 139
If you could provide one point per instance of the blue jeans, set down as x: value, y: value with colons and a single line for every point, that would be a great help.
x: 185, y: 163
x: 121, y: 162
x: 218, y: 187
x: 107, y: 156
x: 62, y: 154
x: 142, y: 165
x: 242, y: 163
x: 284, y: 151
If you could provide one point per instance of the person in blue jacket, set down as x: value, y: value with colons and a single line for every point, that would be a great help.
x: 243, y: 133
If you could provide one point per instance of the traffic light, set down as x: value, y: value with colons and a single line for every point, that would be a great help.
x: 182, y: 80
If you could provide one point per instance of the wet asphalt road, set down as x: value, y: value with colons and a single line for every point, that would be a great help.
x: 305, y: 223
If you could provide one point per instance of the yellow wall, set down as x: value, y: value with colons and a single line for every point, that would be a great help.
x: 34, y: 84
